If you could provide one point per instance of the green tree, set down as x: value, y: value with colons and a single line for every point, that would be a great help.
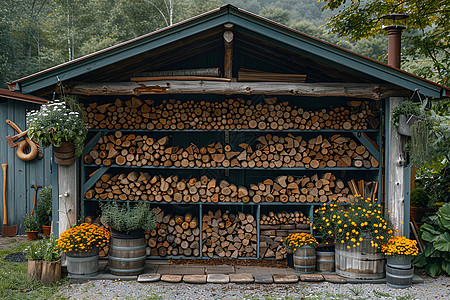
x: 276, y: 14
x: 426, y: 36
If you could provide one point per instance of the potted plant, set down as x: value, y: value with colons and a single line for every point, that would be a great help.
x: 399, y: 251
x: 44, y: 209
x: 303, y: 247
x: 419, y: 200
x: 59, y: 123
x: 127, y: 236
x: 31, y: 226
x: 80, y: 244
x: 358, y: 229
x: 44, y: 261
x: 404, y: 115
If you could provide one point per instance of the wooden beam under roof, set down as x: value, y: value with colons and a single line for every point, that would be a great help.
x: 351, y: 90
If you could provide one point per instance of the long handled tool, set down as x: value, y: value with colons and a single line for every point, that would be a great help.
x: 6, y: 230
x: 36, y: 187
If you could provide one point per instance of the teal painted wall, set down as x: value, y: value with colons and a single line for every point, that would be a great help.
x: 20, y: 175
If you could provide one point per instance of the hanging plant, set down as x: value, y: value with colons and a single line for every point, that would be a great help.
x: 419, y: 147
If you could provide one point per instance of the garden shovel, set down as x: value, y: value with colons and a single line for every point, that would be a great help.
x: 6, y: 230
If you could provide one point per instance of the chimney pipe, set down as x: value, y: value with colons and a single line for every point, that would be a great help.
x: 394, y: 37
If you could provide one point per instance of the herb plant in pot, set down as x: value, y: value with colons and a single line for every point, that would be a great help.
x: 44, y: 261
x: 44, y: 209
x: 59, y: 123
x: 419, y: 200
x: 399, y: 251
x: 31, y: 226
x: 80, y: 244
x: 303, y: 247
x: 127, y: 250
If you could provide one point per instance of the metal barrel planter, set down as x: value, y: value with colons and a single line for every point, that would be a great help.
x: 325, y: 261
x: 360, y: 262
x: 399, y: 278
x: 398, y: 262
x: 127, y: 253
x: 305, y: 259
x: 84, y: 264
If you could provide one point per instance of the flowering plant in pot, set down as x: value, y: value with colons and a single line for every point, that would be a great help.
x: 59, y: 123
x: 302, y: 247
x: 80, y: 244
x: 44, y: 261
x: 400, y: 249
x: 297, y: 240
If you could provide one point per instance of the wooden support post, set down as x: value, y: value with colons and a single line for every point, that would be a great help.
x: 395, y: 176
x: 228, y: 38
x: 67, y: 195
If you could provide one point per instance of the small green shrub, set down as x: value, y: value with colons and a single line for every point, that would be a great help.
x: 44, y: 208
x: 30, y: 223
x: 44, y: 249
x: 121, y: 218
x: 419, y: 198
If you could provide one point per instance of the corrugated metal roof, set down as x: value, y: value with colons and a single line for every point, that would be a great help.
x: 4, y: 93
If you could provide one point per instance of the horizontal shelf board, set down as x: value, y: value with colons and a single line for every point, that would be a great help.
x: 210, y: 203
x: 234, y: 130
x: 237, y: 168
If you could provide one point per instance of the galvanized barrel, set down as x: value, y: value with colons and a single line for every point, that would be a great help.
x: 398, y: 262
x: 127, y: 253
x: 325, y: 261
x: 305, y: 259
x: 83, y: 264
x: 361, y: 262
x: 399, y: 278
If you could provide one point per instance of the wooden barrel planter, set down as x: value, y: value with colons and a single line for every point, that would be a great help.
x: 84, y: 264
x: 305, y: 259
x: 64, y: 154
x: 127, y: 253
x: 361, y: 262
x: 44, y: 271
x: 325, y: 261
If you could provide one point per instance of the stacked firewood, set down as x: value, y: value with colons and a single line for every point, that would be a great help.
x: 270, y: 152
x: 229, y: 235
x: 229, y: 114
x: 174, y: 235
x: 275, y: 227
x: 143, y: 186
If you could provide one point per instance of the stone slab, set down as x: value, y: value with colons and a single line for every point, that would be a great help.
x: 218, y: 278
x: 143, y: 278
x: 194, y: 279
x: 311, y: 277
x: 222, y: 269
x: 242, y: 278
x: 171, y: 278
x: 278, y: 278
x: 263, y: 278
x: 334, y: 278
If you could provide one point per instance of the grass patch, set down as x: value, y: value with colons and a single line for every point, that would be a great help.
x: 14, y: 284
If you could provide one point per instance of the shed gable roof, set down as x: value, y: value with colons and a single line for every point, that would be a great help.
x: 256, y: 38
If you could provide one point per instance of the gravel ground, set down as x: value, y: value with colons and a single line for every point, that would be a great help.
x: 105, y: 289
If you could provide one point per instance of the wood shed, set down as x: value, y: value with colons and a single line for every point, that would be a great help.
x: 234, y: 127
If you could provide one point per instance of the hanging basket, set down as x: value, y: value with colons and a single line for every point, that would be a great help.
x: 404, y: 124
x: 64, y: 154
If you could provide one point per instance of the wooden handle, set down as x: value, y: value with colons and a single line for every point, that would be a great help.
x: 5, y: 221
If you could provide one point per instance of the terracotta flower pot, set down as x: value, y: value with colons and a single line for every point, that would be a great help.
x: 47, y: 230
x: 32, y: 235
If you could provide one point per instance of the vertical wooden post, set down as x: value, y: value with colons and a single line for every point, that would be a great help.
x: 67, y: 194
x: 228, y: 38
x: 395, y: 162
